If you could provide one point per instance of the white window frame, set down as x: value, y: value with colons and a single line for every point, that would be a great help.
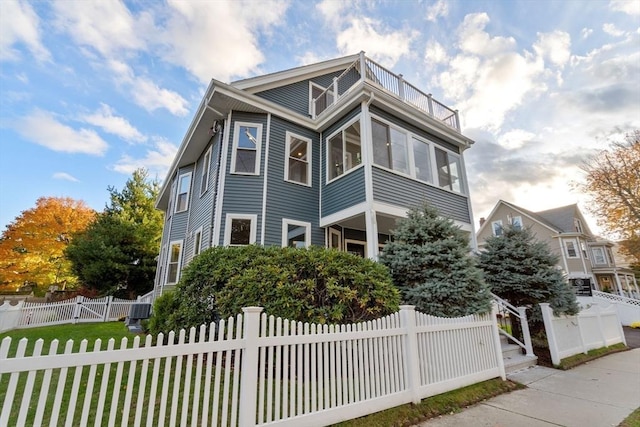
x: 493, y: 228
x: 197, y: 246
x: 333, y: 231
x: 311, y: 86
x: 576, y: 248
x: 227, y: 227
x: 289, y: 136
x: 285, y: 231
x: 179, y: 262
x: 344, y: 150
x: 234, y: 151
x: 408, y: 151
x: 204, y: 176
x: 517, y: 221
x: 595, y: 257
x: 460, y: 176
x: 188, y: 192
x: 356, y: 242
x: 412, y: 158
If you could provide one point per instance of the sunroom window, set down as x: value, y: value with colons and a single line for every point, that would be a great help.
x: 422, y: 159
x: 344, y: 151
x: 389, y: 147
x: 449, y: 170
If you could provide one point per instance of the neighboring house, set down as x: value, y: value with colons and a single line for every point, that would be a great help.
x: 327, y: 154
x: 587, y: 260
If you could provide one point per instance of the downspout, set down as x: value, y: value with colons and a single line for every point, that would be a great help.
x: 217, y: 180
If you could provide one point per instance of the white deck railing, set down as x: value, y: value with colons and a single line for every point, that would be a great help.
x: 251, y: 370
x: 628, y: 308
x: 390, y: 82
x: 508, y: 314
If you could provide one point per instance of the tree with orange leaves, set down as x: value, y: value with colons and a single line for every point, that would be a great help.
x: 32, y: 246
x: 613, y: 180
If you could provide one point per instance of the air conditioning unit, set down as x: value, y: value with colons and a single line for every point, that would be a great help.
x: 137, y: 312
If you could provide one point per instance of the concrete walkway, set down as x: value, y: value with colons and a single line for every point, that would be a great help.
x: 597, y: 394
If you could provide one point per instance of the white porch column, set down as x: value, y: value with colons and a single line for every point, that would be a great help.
x: 618, y: 283
x: 372, y: 234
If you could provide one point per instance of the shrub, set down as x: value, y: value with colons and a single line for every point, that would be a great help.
x: 316, y: 285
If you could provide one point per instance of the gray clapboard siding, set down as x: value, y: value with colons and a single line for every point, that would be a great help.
x: 286, y: 199
x: 180, y: 220
x: 242, y: 194
x: 398, y: 190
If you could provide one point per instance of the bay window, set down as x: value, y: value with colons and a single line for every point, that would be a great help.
x: 344, y: 151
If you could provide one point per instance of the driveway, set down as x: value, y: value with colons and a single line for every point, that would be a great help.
x: 632, y: 336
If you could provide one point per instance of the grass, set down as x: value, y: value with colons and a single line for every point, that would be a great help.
x: 633, y: 420
x: 579, y: 359
x: 446, y: 403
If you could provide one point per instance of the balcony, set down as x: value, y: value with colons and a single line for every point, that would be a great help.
x: 391, y: 83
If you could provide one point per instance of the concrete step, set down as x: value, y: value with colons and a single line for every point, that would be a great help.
x: 510, y: 350
x: 519, y: 362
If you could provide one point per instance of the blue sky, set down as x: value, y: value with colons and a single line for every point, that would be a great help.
x: 89, y: 91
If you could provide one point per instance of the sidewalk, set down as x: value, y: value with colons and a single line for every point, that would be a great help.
x: 597, y: 394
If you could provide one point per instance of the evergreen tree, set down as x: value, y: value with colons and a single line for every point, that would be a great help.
x: 431, y: 266
x: 523, y: 271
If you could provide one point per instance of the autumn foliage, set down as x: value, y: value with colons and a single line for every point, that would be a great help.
x: 32, y: 246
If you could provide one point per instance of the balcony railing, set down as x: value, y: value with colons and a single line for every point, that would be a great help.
x: 391, y: 83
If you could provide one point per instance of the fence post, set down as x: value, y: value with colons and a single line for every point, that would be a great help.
x: 620, y: 330
x: 401, y: 86
x: 77, y: 308
x: 601, y: 327
x: 107, y: 309
x: 249, y: 366
x: 547, y: 317
x: 408, y: 323
x: 430, y: 104
x: 496, y: 341
x: 335, y: 90
x: 526, y: 335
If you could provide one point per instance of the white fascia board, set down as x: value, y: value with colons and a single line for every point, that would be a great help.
x: 282, y: 78
x: 358, y: 209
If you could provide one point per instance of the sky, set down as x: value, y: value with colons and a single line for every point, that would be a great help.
x: 92, y: 90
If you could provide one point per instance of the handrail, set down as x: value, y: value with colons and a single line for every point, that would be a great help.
x: 521, y: 314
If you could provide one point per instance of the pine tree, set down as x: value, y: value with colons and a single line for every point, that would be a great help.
x: 523, y: 271
x: 431, y: 266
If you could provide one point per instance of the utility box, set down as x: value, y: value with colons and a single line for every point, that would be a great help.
x: 137, y: 312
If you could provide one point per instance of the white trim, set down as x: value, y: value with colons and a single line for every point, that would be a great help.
x: 339, y: 234
x: 357, y: 242
x: 265, y: 181
x: 258, y: 150
x: 207, y: 168
x: 227, y: 227
x: 188, y: 192
x: 344, y: 142
x: 285, y: 231
x: 198, y: 247
x: 604, y: 255
x: 220, y: 193
x: 311, y: 85
x: 575, y: 247
x: 287, y: 158
x: 179, y: 262
x: 343, y: 214
x: 493, y: 227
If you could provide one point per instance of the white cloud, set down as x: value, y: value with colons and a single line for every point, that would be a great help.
x: 309, y: 58
x: 435, y: 53
x: 224, y: 50
x: 20, y: 24
x: 334, y: 11
x: 630, y: 7
x: 586, y: 32
x: 515, y: 138
x: 555, y: 46
x: 156, y: 160
x: 612, y: 30
x: 42, y: 128
x: 473, y: 39
x: 116, y: 125
x: 64, y: 177
x: 439, y: 8
x: 380, y: 43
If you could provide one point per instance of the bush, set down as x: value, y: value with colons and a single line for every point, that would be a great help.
x: 316, y: 285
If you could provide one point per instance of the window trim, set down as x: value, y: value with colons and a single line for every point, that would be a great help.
x: 339, y: 234
x: 195, y: 239
x: 285, y: 231
x: 517, y: 220
x: 407, y: 137
x: 234, y: 150
x: 575, y: 248
x: 327, y: 140
x: 595, y: 258
x: 356, y: 242
x: 288, y: 137
x: 227, y: 227
x: 178, y: 262
x: 458, y: 157
x: 204, y: 175
x: 319, y: 86
x: 177, y: 200
x: 493, y: 227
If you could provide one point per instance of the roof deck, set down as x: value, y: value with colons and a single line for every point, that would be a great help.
x: 391, y: 83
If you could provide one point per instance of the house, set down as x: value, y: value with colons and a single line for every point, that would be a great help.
x: 587, y: 260
x: 326, y: 154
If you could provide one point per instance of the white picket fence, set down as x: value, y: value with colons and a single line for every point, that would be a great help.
x: 75, y: 310
x: 592, y: 328
x: 251, y: 370
x: 628, y: 308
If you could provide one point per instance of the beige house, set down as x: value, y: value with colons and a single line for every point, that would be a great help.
x: 587, y: 260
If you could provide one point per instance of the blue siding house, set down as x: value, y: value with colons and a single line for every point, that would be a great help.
x: 326, y: 154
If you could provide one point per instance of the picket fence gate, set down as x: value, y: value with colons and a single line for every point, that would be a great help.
x: 250, y: 370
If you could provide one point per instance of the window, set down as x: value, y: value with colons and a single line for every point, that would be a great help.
x: 240, y: 230
x: 422, y: 160
x: 206, y: 165
x: 298, y: 167
x: 246, y: 148
x: 175, y: 256
x: 578, y: 225
x: 496, y: 226
x: 598, y: 256
x: 296, y: 234
x: 182, y: 199
x: 449, y: 170
x: 323, y: 99
x: 335, y: 239
x: 344, y: 151
x: 356, y: 247
x: 389, y: 147
x: 516, y: 222
x: 572, y: 252
x: 197, y: 242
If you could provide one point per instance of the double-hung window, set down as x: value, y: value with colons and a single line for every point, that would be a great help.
x: 344, y: 151
x: 246, y: 148
x: 182, y: 199
x: 516, y: 222
x: 298, y: 167
x: 206, y: 165
x: 175, y: 256
x: 496, y: 226
x: 422, y: 160
x: 197, y: 242
x: 389, y: 147
x: 598, y: 256
x: 572, y: 250
x: 296, y: 234
x: 449, y: 170
x: 240, y: 229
